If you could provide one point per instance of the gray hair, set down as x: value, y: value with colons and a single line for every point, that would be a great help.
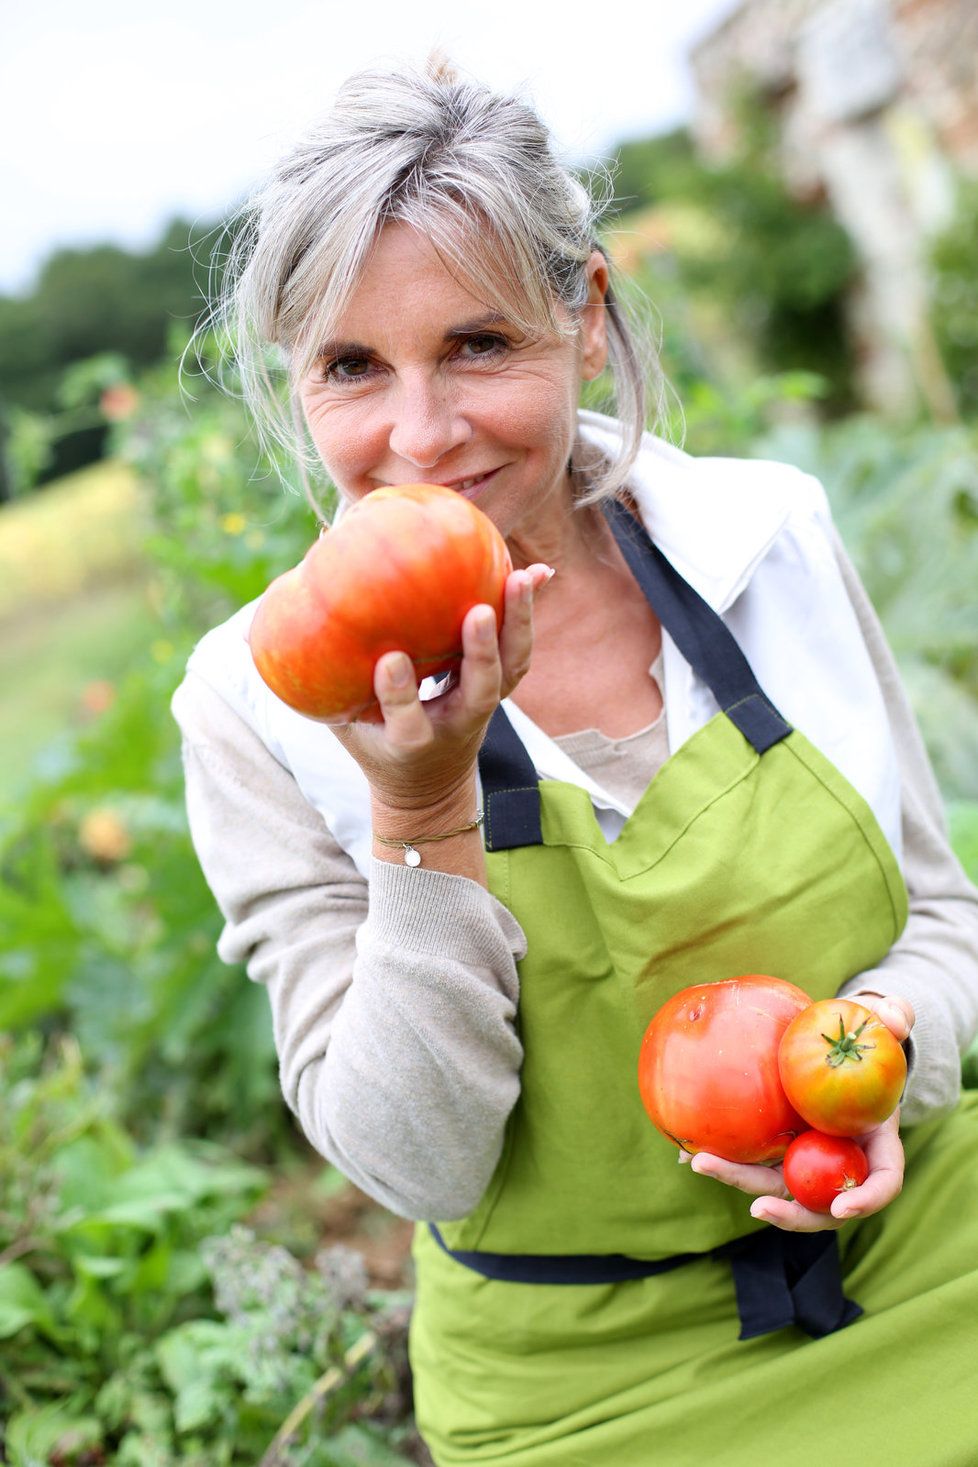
x: 476, y: 173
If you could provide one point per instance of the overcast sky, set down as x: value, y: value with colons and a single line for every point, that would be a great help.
x: 119, y: 116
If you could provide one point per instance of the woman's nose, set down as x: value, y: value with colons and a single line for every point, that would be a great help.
x: 427, y: 424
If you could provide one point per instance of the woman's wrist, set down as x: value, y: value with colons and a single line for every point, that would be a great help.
x: 444, y: 835
x: 421, y: 814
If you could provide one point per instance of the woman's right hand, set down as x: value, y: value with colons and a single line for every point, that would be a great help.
x: 422, y: 757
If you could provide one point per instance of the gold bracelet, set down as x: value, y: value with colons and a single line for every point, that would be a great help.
x: 412, y: 856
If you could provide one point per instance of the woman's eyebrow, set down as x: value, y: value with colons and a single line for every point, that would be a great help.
x: 480, y: 323
x: 336, y: 349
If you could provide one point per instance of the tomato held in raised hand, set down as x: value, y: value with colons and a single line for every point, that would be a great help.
x: 398, y: 573
x: 818, y: 1167
x: 841, y: 1067
x: 708, y: 1068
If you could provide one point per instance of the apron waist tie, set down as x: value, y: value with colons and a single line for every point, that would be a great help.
x: 779, y: 1278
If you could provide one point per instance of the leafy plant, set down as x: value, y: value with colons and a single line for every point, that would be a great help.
x: 142, y: 1323
x: 110, y: 928
x: 906, y: 503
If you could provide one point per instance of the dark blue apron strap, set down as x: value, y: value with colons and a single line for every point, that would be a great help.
x: 789, y: 1278
x: 699, y: 632
x: 510, y: 789
x: 779, y: 1278
x: 561, y: 1268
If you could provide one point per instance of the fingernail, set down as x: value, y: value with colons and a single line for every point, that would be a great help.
x: 551, y: 572
x: 485, y: 623
x: 760, y: 1213
x: 399, y: 671
x: 526, y: 588
x: 845, y: 1212
x: 684, y: 1157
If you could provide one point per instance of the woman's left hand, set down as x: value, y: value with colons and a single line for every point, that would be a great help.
x: 882, y: 1146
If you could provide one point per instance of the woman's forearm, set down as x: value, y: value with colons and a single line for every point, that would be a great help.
x: 392, y: 1003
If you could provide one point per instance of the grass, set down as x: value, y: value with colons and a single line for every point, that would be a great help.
x: 74, y: 610
x: 67, y: 537
x: 60, y: 659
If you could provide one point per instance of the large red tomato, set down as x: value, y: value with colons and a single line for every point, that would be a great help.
x: 841, y: 1067
x: 708, y: 1068
x: 398, y: 573
x: 817, y: 1168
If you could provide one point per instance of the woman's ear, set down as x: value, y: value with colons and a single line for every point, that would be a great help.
x: 594, y: 322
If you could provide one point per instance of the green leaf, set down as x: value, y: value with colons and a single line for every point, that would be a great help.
x: 201, y: 1403
x: 23, y: 1302
x: 93, y: 1267
x: 202, y: 1348
x: 32, y: 1436
x: 358, y: 1446
x: 91, y: 1309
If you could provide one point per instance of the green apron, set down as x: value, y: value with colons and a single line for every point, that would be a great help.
x: 749, y: 852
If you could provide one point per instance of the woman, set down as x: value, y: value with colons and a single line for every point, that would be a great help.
x: 460, y: 1036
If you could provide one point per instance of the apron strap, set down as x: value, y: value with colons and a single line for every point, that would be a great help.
x: 560, y: 1268
x: 699, y: 632
x: 779, y: 1278
x: 510, y: 790
x: 789, y: 1278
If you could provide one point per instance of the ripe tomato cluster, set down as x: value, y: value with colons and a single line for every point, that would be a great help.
x: 752, y: 1070
x: 844, y: 1072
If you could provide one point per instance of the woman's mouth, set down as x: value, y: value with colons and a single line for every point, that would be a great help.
x: 471, y: 487
x: 467, y: 487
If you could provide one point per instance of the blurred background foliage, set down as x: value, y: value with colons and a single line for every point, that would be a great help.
x: 156, y: 1198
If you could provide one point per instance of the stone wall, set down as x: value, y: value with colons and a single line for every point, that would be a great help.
x: 876, y: 104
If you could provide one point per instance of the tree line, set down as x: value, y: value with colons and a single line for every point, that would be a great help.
x: 95, y: 300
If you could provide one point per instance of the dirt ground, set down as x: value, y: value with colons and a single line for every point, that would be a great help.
x: 312, y: 1207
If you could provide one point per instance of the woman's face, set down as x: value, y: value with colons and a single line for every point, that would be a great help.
x: 426, y: 383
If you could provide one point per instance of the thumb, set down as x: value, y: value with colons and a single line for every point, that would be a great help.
x: 897, y: 1013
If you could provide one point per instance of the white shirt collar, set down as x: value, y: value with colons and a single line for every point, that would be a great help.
x: 714, y: 536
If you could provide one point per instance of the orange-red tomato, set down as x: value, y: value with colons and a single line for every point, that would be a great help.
x: 398, y: 573
x: 818, y: 1167
x: 841, y: 1067
x: 708, y: 1068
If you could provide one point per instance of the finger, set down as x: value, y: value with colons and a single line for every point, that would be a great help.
x: 896, y: 1012
x: 791, y: 1217
x: 480, y: 675
x: 406, y: 724
x: 541, y: 575
x: 884, y: 1152
x: 756, y: 1181
x: 516, y: 637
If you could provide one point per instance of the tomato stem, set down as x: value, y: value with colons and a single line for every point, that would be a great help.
x: 847, y: 1046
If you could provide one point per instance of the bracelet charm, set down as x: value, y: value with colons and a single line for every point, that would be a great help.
x: 412, y: 856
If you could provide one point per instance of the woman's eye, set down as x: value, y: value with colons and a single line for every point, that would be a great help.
x: 485, y: 345
x: 345, y: 369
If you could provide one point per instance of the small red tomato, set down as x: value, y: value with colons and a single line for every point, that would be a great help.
x: 818, y: 1167
x: 708, y: 1068
x: 841, y: 1067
